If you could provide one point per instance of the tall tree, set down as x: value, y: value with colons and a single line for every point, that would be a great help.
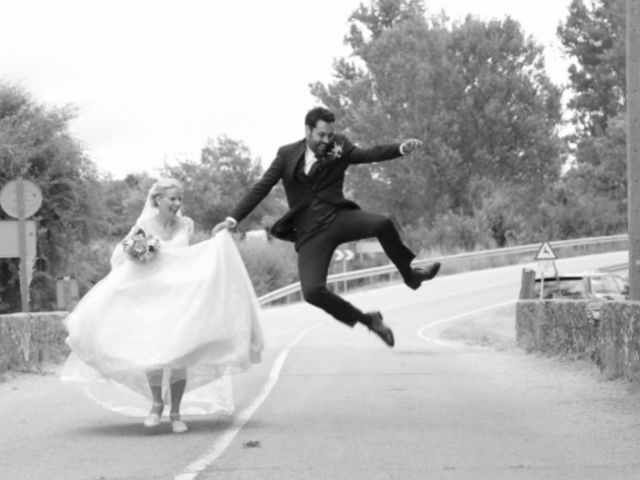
x: 594, y: 38
x: 476, y: 92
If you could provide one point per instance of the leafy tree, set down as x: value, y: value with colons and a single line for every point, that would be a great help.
x: 124, y: 200
x: 214, y: 185
x: 475, y: 92
x: 594, y: 38
x: 35, y: 143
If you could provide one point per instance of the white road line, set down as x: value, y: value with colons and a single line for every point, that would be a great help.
x: 223, y: 441
x: 448, y: 295
x: 421, y: 330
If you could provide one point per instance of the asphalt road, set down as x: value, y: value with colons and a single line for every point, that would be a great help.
x: 332, y: 403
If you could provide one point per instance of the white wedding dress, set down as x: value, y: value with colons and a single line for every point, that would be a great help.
x: 191, y: 307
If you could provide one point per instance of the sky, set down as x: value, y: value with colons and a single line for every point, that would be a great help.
x: 153, y: 80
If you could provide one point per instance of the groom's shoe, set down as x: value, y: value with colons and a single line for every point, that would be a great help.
x: 419, y: 275
x: 380, y: 328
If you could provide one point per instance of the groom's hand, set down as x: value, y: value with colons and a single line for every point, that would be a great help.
x: 410, y: 146
x: 228, y: 224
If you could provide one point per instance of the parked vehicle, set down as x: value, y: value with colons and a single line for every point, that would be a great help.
x: 583, y: 286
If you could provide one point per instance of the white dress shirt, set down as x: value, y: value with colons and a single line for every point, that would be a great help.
x: 309, y: 159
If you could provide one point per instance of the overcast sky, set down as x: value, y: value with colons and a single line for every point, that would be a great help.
x: 154, y: 79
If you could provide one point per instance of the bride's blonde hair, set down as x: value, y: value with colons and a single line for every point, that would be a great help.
x: 161, y: 186
x: 157, y: 189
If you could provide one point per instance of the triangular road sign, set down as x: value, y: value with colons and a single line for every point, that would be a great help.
x: 545, y: 252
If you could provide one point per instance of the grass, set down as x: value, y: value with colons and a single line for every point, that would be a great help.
x: 495, y: 328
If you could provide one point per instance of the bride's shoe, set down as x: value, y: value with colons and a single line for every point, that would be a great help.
x: 177, y: 425
x: 153, y: 419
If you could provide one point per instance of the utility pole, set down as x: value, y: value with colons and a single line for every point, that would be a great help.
x: 633, y: 143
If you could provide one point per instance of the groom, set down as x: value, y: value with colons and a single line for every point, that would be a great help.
x: 321, y: 218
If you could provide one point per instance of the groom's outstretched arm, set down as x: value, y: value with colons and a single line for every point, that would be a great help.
x: 255, y: 195
x: 380, y: 153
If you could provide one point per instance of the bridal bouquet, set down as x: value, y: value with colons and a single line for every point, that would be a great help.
x: 140, y: 245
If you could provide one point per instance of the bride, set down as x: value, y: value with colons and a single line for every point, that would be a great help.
x: 169, y: 323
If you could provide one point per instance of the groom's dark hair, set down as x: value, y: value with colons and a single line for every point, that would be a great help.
x: 316, y: 114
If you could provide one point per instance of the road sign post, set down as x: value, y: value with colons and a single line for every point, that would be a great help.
x: 21, y: 199
x: 22, y: 242
x: 546, y: 259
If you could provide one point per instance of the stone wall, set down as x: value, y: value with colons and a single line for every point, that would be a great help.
x: 28, y: 339
x: 620, y: 340
x: 607, y: 333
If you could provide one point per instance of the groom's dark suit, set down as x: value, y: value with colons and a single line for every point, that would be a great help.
x: 321, y: 218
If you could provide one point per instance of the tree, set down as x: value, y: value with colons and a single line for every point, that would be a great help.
x: 35, y: 142
x: 124, y: 200
x: 594, y: 37
x: 217, y: 182
x: 476, y: 92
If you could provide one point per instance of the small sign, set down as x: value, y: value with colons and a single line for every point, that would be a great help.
x: 32, y: 196
x: 545, y: 252
x: 9, y: 239
x: 343, y: 255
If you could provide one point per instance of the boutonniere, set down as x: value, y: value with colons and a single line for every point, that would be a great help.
x: 336, y: 152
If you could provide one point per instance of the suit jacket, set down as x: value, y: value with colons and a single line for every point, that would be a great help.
x: 327, y: 184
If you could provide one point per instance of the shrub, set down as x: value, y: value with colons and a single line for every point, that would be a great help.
x: 271, y: 264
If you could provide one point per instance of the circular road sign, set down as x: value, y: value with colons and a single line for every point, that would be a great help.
x: 9, y: 198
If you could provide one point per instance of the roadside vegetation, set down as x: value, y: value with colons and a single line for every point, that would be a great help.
x: 509, y: 157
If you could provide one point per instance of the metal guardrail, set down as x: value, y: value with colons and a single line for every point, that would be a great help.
x: 456, y: 263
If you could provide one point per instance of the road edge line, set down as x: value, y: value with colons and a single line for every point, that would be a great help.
x: 218, y: 447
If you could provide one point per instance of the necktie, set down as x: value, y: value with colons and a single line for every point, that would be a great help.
x: 314, y: 168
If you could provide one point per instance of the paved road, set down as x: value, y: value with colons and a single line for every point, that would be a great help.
x: 330, y: 403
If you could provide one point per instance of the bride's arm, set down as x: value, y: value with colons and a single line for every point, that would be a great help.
x: 190, y: 227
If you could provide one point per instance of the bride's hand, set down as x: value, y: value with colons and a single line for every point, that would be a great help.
x: 227, y: 224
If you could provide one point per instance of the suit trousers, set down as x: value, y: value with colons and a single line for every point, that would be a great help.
x: 314, y: 256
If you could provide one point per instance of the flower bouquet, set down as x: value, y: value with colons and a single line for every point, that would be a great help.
x: 140, y: 245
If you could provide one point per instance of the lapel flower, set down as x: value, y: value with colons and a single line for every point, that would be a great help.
x: 336, y: 152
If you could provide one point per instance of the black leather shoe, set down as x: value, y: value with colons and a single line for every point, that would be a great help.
x: 380, y: 328
x: 419, y: 275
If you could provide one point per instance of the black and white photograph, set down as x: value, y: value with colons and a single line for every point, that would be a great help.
x: 320, y: 240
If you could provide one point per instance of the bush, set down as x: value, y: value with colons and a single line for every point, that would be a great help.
x: 271, y: 264
x: 449, y: 233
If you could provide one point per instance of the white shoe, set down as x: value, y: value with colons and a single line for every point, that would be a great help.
x: 177, y: 425
x: 153, y: 419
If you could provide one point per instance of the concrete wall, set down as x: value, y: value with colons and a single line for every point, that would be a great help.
x: 607, y: 333
x: 27, y: 339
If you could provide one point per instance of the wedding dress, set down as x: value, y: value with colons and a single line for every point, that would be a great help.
x: 190, y: 307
